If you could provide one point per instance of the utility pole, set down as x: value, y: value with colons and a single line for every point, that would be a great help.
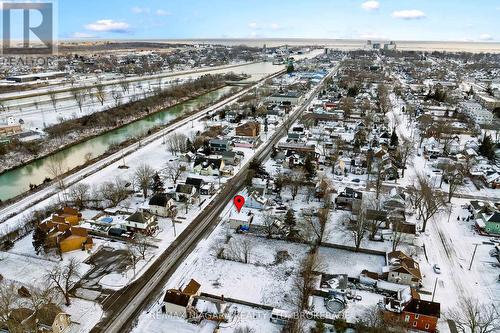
x: 473, y: 255
x: 434, y: 291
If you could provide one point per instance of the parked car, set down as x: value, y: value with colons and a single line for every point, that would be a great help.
x: 355, y: 180
x: 436, y: 269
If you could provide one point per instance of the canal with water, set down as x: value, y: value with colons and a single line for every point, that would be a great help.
x: 17, y: 181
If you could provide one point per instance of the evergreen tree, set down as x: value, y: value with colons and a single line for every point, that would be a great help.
x: 319, y: 327
x: 39, y: 240
x: 189, y: 145
x: 487, y: 148
x: 394, y: 138
x: 158, y: 186
x: 309, y: 167
x: 290, y: 68
x: 290, y: 218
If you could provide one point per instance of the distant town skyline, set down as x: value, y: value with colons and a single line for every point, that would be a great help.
x: 424, y: 20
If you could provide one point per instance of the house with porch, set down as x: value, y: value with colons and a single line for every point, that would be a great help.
x: 402, y: 269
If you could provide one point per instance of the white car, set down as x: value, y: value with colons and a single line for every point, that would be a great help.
x: 436, y: 269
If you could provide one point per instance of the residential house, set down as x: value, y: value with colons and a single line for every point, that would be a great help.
x: 211, y: 309
x: 403, y: 269
x: 203, y: 188
x: 179, y: 302
x: 490, y: 223
x: 163, y: 204
x: 141, y: 221
x: 230, y: 157
x: 75, y: 239
x: 186, y: 192
x: 251, y: 128
x: 49, y: 318
x: 476, y: 112
x: 421, y: 315
x: 285, y: 98
x: 257, y: 201
x: 349, y: 198
x: 241, y: 220
x: 63, y: 233
x: 9, y: 127
x: 219, y: 145
x: 208, y: 166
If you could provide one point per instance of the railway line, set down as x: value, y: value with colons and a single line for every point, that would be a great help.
x: 123, y: 307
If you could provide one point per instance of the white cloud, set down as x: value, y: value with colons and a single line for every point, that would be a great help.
x: 275, y: 26
x: 409, y: 14
x: 161, y: 12
x: 485, y: 37
x: 108, y: 26
x: 82, y: 35
x: 370, y: 5
x: 265, y: 26
x: 140, y: 10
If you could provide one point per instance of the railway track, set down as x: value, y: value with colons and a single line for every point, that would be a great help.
x: 123, y: 307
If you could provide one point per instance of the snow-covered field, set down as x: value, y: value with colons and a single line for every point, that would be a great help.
x: 337, y: 261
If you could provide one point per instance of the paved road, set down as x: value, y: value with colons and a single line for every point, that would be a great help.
x: 123, y: 307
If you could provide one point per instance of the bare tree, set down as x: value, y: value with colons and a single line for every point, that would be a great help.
x: 8, y: 300
x: 318, y: 224
x: 453, y: 174
x: 175, y: 170
x: 406, y: 149
x: 132, y: 254
x: 100, y: 93
x: 79, y: 194
x: 470, y: 316
x: 144, y: 176
x: 304, y: 285
x: 431, y: 200
x: 141, y: 245
x: 125, y: 85
x: 177, y: 143
x: 117, y: 97
x: 268, y: 220
x: 53, y: 98
x: 294, y: 181
x: 384, y: 101
x: 79, y: 97
x: 114, y: 191
x: 358, y: 227
x: 397, y: 234
x: 56, y: 168
x: 62, y: 278
x: 238, y: 250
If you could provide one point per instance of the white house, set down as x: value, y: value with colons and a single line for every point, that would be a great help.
x: 476, y: 112
x: 162, y: 204
x: 257, y: 201
x: 241, y: 219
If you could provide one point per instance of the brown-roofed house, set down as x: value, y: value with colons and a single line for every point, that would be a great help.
x: 251, y: 128
x: 403, y: 269
x: 179, y: 302
x: 422, y: 315
x: 192, y: 288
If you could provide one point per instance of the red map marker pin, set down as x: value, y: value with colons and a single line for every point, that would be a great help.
x: 239, y: 201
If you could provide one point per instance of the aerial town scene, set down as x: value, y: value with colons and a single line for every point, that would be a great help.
x: 250, y: 166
